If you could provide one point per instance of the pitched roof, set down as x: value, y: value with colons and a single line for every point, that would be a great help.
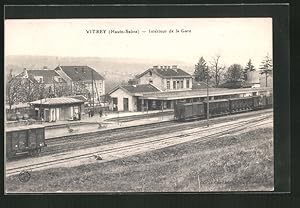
x: 79, y: 97
x: 166, y: 72
x: 56, y: 101
x: 141, y: 88
x: 81, y: 73
x: 47, y: 74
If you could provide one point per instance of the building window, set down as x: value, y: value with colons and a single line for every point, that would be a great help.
x: 181, y: 84
x: 187, y: 83
x: 174, y: 84
x: 168, y: 85
x: 41, y: 80
x: 178, y: 85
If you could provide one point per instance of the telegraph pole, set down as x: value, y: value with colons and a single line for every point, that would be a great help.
x: 207, y: 109
x: 93, y: 92
x: 162, y: 110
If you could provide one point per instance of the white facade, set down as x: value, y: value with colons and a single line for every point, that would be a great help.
x: 99, y: 87
x: 122, y: 95
x: 166, y: 84
x: 154, y: 79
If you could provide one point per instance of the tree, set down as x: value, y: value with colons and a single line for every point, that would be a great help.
x: 29, y: 90
x: 248, y: 68
x: 201, y: 70
x: 216, y: 70
x: 61, y: 89
x: 266, y: 67
x: 234, y: 73
x: 80, y: 88
x: 106, y: 98
x: 13, y: 86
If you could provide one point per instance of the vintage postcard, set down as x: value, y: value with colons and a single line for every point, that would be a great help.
x: 138, y: 105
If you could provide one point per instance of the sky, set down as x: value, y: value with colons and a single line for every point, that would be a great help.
x: 236, y: 40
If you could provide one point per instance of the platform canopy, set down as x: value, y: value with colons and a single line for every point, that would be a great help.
x: 175, y: 95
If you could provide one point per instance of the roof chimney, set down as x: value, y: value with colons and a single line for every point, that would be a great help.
x: 155, y: 67
x: 161, y: 67
x: 169, y: 67
x: 174, y: 66
x: 44, y: 67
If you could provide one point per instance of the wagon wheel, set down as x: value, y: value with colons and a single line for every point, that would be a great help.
x: 33, y: 152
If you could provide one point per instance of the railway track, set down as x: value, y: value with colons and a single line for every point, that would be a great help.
x: 114, y: 151
x: 142, y: 116
x: 94, y: 139
x: 138, y: 132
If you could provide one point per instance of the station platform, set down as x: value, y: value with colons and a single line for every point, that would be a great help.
x: 107, y: 117
x: 92, y: 124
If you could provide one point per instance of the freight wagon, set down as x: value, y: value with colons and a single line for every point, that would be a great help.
x: 191, y: 111
x: 217, y: 107
x: 241, y: 104
x: 25, y: 140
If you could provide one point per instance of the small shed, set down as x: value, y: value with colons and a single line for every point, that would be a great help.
x: 58, y: 109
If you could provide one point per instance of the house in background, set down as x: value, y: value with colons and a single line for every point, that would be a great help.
x: 253, y: 79
x: 83, y: 76
x: 166, y: 78
x: 49, y: 78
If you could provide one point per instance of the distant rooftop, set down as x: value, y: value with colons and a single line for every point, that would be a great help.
x: 47, y: 74
x: 166, y: 71
x: 81, y: 73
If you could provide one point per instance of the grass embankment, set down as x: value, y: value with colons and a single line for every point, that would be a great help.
x: 231, y: 163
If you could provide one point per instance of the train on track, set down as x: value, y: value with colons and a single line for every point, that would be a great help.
x: 221, y: 107
x: 24, y: 140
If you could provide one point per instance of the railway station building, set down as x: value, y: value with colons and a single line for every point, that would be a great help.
x: 162, y: 87
x: 58, y: 109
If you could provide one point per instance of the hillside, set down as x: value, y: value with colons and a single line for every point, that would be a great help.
x: 115, y: 70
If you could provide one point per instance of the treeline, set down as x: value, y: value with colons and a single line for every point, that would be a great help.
x: 218, y: 73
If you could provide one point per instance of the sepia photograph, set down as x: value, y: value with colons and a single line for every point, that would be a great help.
x: 110, y: 105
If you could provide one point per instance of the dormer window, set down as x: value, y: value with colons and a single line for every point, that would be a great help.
x: 150, y: 81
